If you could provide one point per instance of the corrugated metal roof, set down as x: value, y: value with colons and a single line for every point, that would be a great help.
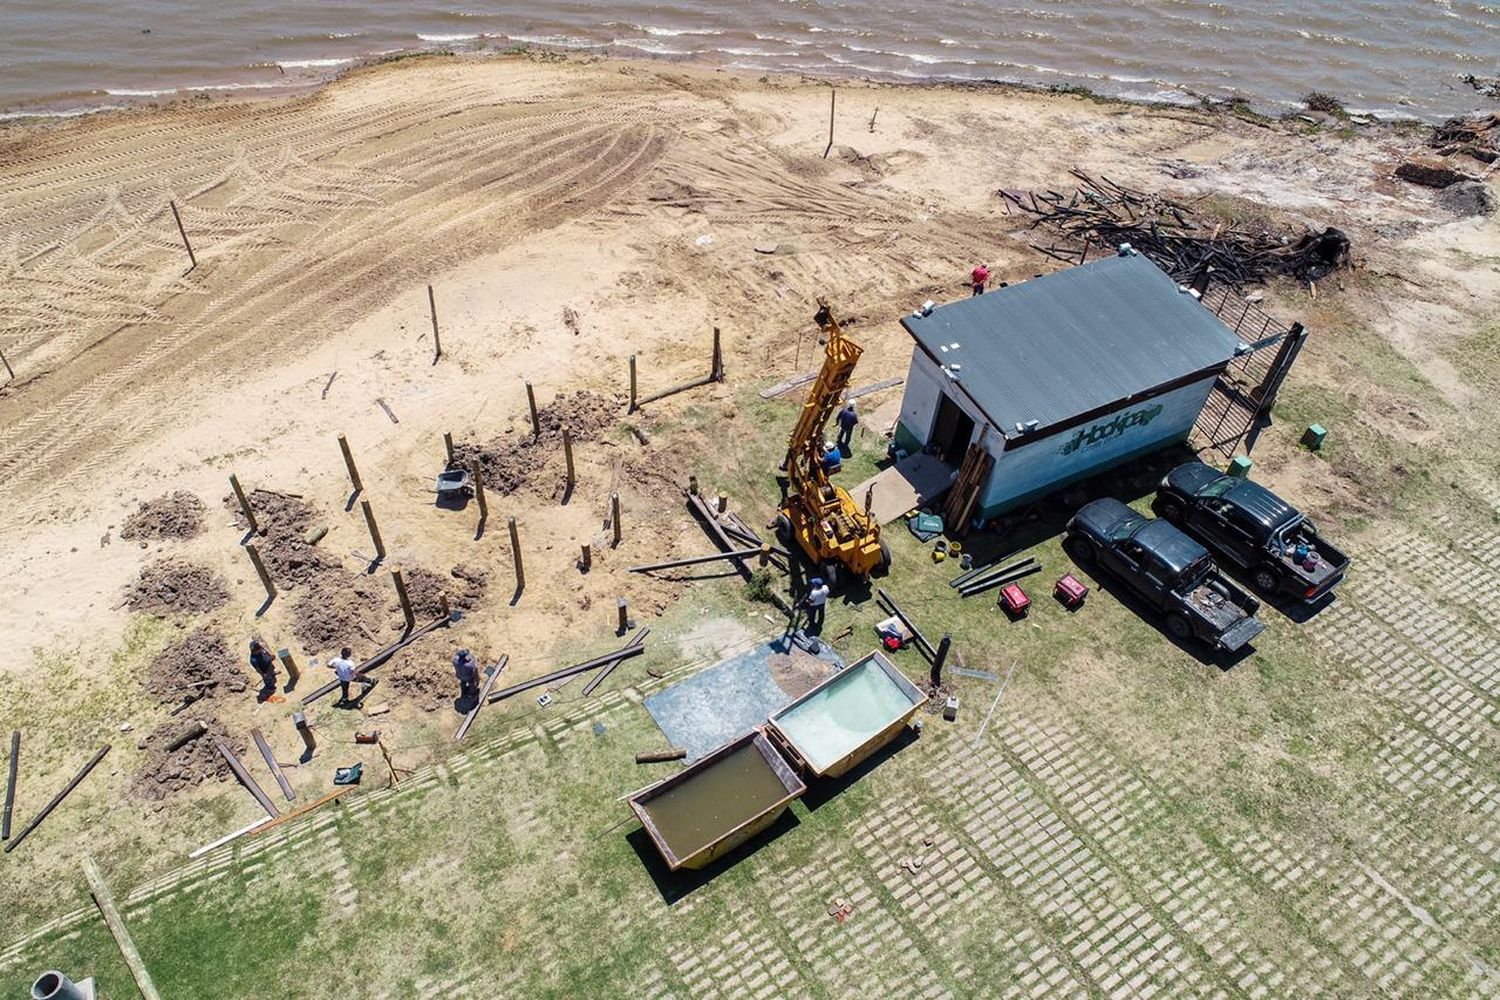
x: 1053, y: 347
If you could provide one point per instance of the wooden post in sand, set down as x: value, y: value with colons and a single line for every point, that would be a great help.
x: 405, y: 599
x: 260, y: 569
x: 183, y: 232
x: 567, y: 436
x: 448, y: 447
x: 293, y: 672
x: 359, y: 487
x: 614, y: 517
x: 833, y: 96
x: 437, y: 343
x: 586, y: 559
x: 515, y: 552
x: 716, y: 367
x: 622, y: 608
x: 8, y: 369
x: 536, y: 421
x: 234, y: 482
x: 484, y: 507
x: 632, y: 384
x: 374, y: 529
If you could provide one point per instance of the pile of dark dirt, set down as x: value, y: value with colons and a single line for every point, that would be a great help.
x: 165, y: 772
x: 515, y: 461
x: 285, y: 522
x: 177, y: 515
x: 199, y: 665
x: 464, y: 585
x: 339, y: 609
x: 176, y: 587
x: 425, y: 678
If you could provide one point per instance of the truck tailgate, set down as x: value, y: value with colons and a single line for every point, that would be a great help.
x: 1241, y: 633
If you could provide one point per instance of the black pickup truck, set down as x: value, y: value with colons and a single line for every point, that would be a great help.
x: 1168, y: 569
x: 1252, y: 528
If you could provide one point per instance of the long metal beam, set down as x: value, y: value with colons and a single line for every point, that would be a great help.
x: 36, y: 820
x: 558, y: 675
x: 1000, y: 579
x: 992, y: 571
x: 638, y: 639
x: 270, y: 759
x: 245, y: 779
x: 695, y: 560
x: 463, y: 727
x: 10, y: 784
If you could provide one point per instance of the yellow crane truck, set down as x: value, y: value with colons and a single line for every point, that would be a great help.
x: 841, y: 538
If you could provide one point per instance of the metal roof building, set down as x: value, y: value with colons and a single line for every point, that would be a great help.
x: 1061, y: 376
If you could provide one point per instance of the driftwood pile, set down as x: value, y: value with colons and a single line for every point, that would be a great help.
x: 1101, y: 215
x: 1478, y: 137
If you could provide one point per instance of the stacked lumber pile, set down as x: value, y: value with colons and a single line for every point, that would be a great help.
x: 1102, y: 214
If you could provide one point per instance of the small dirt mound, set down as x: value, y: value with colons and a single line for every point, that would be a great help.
x: 176, y: 587
x: 201, y: 664
x: 517, y: 460
x: 464, y: 585
x: 341, y: 609
x: 177, y: 515
x: 284, y: 521
x: 426, y: 681
x: 798, y: 671
x: 164, y: 773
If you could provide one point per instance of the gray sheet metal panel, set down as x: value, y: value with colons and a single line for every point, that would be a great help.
x: 1072, y: 341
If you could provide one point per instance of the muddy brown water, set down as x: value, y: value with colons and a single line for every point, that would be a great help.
x: 734, y: 789
x: 1404, y: 56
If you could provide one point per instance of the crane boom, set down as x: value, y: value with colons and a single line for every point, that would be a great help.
x: 826, y: 522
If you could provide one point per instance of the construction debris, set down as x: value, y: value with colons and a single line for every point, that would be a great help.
x: 626, y: 651
x: 174, y: 516
x: 1102, y: 215
x: 639, y: 639
x: 245, y: 779
x: 175, y: 586
x: 1477, y: 136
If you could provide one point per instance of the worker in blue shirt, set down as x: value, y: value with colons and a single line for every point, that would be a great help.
x: 848, y: 420
x: 832, y: 460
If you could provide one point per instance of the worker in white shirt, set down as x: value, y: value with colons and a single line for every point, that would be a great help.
x: 344, y: 669
x: 815, y: 601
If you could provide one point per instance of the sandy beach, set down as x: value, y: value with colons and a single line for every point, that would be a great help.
x: 569, y: 214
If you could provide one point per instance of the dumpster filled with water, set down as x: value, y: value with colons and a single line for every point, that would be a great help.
x: 848, y: 717
x: 722, y: 800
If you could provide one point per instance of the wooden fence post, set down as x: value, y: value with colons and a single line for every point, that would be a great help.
x: 349, y: 464
x: 183, y: 232
x: 234, y: 481
x: 260, y: 570
x: 833, y: 95
x: 437, y: 343
x: 536, y: 421
x: 484, y: 507
x: 448, y: 447
x: 614, y: 516
x: 374, y: 529
x: 515, y: 551
x: 405, y: 599
x: 567, y: 436
x: 716, y: 367
x: 632, y: 384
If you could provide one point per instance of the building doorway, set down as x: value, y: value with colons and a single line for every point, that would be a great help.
x: 951, y: 431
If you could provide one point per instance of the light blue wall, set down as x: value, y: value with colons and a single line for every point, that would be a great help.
x: 926, y: 384
x: 1025, y: 471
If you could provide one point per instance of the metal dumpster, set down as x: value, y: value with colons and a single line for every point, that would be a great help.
x: 848, y: 717
x: 717, y: 803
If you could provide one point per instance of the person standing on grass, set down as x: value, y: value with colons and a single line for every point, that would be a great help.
x: 816, y: 604
x: 848, y: 420
x: 265, y: 665
x: 979, y: 277
x: 344, y: 669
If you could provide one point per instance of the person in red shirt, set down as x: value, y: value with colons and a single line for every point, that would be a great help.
x: 980, y: 276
